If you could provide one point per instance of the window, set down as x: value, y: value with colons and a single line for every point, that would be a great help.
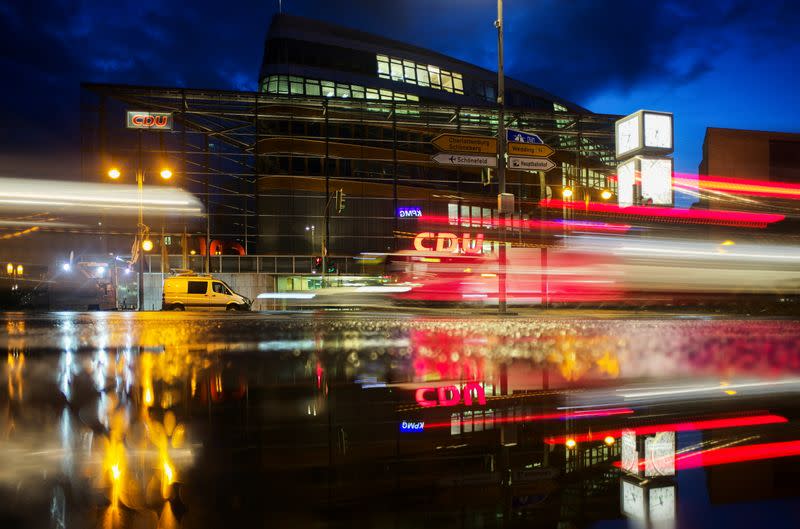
x: 219, y: 288
x: 312, y: 87
x: 197, y: 287
x: 296, y: 85
x: 406, y: 71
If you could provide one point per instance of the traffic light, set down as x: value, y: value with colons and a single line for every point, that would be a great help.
x: 340, y: 201
x: 317, y: 264
x: 331, y: 268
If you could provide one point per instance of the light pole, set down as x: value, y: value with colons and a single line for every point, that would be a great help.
x: 143, y: 242
x: 501, y: 156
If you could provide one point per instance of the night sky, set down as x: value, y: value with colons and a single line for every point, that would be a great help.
x: 711, y: 62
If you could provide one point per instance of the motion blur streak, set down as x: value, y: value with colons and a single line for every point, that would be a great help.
x: 738, y: 186
x: 693, y: 216
x: 710, y: 424
x: 17, y: 193
x: 735, y: 454
x: 543, y: 417
x: 778, y: 385
x: 545, y: 225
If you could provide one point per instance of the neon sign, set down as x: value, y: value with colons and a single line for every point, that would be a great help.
x: 450, y: 395
x: 408, y: 426
x: 428, y: 241
x: 409, y: 212
x: 149, y: 120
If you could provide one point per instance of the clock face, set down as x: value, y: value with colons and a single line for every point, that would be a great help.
x: 628, y: 135
x: 658, y: 130
x: 633, y: 501
x: 662, y: 504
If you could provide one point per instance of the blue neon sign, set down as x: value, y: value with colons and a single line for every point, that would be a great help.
x: 408, y: 426
x: 413, y: 211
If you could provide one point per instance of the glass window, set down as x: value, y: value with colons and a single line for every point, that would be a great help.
x: 296, y: 85
x: 386, y: 95
x: 411, y: 97
x: 272, y: 87
x: 283, y: 85
x: 312, y: 87
x: 422, y: 76
x: 372, y: 93
x: 383, y: 66
x: 487, y: 217
x: 434, y: 75
x: 327, y: 88
x: 458, y: 85
x: 397, y: 70
x: 447, y: 81
x: 197, y: 287
x: 465, y: 216
x: 342, y: 90
x: 455, y: 424
x: 452, y: 214
x: 409, y: 72
x: 357, y: 91
x: 219, y: 288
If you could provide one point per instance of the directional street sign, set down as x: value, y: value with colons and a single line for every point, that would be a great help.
x: 526, y: 149
x: 523, y: 163
x: 450, y: 158
x: 522, y: 137
x: 465, y: 143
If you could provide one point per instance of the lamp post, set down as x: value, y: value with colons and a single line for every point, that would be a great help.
x: 313, y: 239
x: 501, y: 156
x: 143, y: 242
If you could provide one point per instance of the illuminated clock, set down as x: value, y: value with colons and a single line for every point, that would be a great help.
x: 658, y: 130
x: 662, y: 504
x: 656, y: 180
x: 644, y: 132
x: 628, y: 132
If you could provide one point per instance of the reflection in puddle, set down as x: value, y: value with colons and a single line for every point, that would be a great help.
x: 135, y: 421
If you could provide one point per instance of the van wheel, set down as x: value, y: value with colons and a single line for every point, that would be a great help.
x: 178, y: 306
x: 232, y: 307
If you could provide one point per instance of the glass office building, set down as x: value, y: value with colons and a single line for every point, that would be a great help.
x: 344, y: 111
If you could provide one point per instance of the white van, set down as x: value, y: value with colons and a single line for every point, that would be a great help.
x: 190, y: 291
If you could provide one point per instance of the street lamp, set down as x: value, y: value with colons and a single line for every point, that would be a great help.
x: 141, y: 229
x: 605, y: 194
x: 313, y: 239
x: 567, y: 192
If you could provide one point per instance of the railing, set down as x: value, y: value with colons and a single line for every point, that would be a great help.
x: 260, y: 264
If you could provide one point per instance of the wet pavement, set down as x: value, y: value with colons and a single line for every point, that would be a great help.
x: 377, y: 420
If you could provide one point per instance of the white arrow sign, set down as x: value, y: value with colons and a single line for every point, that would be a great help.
x: 530, y: 164
x: 449, y: 158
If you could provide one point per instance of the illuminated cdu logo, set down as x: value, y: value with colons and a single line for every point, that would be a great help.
x: 449, y: 242
x: 450, y: 395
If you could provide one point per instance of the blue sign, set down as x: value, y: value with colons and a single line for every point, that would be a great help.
x: 407, y: 426
x: 518, y: 136
x: 409, y: 212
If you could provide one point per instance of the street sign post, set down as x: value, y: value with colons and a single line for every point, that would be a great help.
x: 450, y: 158
x: 523, y: 163
x: 466, y: 143
x: 527, y: 149
x: 518, y: 136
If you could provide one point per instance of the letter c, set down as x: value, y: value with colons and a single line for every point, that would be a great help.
x: 421, y: 400
x: 419, y: 239
x: 137, y: 119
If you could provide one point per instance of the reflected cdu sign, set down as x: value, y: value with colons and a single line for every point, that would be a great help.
x: 139, y: 119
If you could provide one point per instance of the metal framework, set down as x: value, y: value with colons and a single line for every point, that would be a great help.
x: 225, y: 142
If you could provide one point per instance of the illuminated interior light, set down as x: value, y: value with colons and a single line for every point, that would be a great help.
x: 570, y: 443
x: 609, y: 440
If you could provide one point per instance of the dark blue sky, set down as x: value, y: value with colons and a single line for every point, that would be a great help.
x: 722, y: 63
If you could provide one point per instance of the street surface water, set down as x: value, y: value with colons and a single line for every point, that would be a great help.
x: 380, y: 420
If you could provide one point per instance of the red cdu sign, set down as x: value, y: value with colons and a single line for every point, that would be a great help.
x: 450, y: 395
x: 149, y: 120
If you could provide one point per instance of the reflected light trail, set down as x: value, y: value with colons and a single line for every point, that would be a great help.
x: 544, y: 417
x: 709, y: 424
x: 737, y: 186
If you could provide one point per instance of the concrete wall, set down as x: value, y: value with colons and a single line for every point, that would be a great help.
x: 247, y: 284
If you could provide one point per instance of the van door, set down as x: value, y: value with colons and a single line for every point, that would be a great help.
x: 197, y: 297
x: 220, y: 296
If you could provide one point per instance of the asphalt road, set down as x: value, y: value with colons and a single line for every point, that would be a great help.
x: 375, y: 419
